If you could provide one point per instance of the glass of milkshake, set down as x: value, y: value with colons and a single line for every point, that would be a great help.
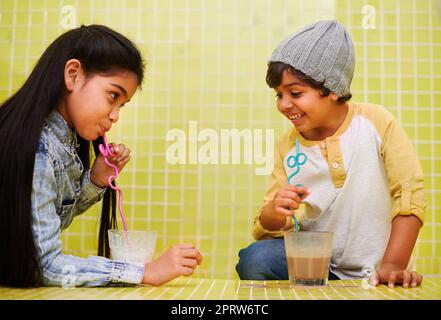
x: 308, y: 255
x: 132, y: 246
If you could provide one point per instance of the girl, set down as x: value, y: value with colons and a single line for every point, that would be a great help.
x: 71, y: 98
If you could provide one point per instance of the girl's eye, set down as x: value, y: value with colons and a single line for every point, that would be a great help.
x: 114, y: 95
x: 295, y: 94
x: 278, y: 95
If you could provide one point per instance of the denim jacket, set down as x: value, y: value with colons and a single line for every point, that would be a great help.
x: 61, y: 190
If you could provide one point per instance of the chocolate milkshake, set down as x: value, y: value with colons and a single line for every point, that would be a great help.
x: 308, y: 255
x: 308, y: 270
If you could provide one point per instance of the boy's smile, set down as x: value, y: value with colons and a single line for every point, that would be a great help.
x: 315, y: 116
x: 295, y: 117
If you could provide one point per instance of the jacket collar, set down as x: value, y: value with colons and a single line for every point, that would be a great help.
x: 61, y: 130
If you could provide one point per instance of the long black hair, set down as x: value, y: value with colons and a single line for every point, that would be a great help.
x: 100, y: 50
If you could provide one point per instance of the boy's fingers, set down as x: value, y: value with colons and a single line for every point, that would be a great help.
x: 375, y: 279
x: 286, y: 203
x: 392, y: 279
x: 415, y: 279
x: 302, y: 191
x: 406, y: 278
x: 291, y: 195
x: 284, y: 212
x: 297, y: 189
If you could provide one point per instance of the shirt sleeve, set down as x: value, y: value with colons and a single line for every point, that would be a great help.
x: 66, y: 270
x: 90, y: 194
x: 277, y: 180
x: 404, y: 172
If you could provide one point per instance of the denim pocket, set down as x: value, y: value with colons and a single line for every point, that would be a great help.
x: 66, y: 207
x: 65, y: 213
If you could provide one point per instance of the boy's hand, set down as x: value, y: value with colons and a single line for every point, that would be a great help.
x: 393, y: 274
x: 100, y: 172
x: 288, y: 198
x: 179, y: 260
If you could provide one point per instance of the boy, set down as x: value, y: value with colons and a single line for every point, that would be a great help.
x: 362, y: 179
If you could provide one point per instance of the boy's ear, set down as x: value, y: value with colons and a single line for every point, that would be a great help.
x: 72, y: 71
x: 334, y: 97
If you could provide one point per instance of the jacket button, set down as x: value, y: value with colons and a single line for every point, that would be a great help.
x: 335, y: 165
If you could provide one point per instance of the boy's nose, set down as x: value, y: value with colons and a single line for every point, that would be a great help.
x: 286, y: 104
x: 114, y: 115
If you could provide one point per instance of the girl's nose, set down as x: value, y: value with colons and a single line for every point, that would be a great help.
x: 114, y: 115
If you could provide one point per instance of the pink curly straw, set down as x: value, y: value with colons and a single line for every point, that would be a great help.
x: 107, y: 150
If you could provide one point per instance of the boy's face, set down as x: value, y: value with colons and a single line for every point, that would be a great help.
x: 313, y: 115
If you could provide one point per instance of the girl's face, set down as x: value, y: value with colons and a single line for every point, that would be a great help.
x: 314, y: 116
x: 92, y: 104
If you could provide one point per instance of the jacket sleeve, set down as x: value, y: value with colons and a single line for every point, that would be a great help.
x: 90, y: 194
x: 60, y: 269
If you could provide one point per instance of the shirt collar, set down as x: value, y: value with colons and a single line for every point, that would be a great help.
x: 59, y: 127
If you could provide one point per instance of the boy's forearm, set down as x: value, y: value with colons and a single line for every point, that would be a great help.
x: 402, y: 240
x: 270, y: 220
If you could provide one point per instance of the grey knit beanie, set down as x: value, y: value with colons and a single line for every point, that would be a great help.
x: 323, y: 51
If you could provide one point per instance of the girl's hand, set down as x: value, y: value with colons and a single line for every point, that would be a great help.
x: 393, y: 274
x: 288, y: 198
x: 100, y: 172
x: 179, y: 260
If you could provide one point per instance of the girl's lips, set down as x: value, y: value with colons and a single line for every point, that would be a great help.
x: 103, y: 131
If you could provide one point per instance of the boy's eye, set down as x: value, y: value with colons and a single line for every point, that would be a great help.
x: 293, y: 94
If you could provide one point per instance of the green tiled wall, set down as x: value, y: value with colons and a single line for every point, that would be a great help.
x: 207, y: 63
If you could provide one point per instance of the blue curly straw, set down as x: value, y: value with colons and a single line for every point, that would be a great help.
x: 295, y: 162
